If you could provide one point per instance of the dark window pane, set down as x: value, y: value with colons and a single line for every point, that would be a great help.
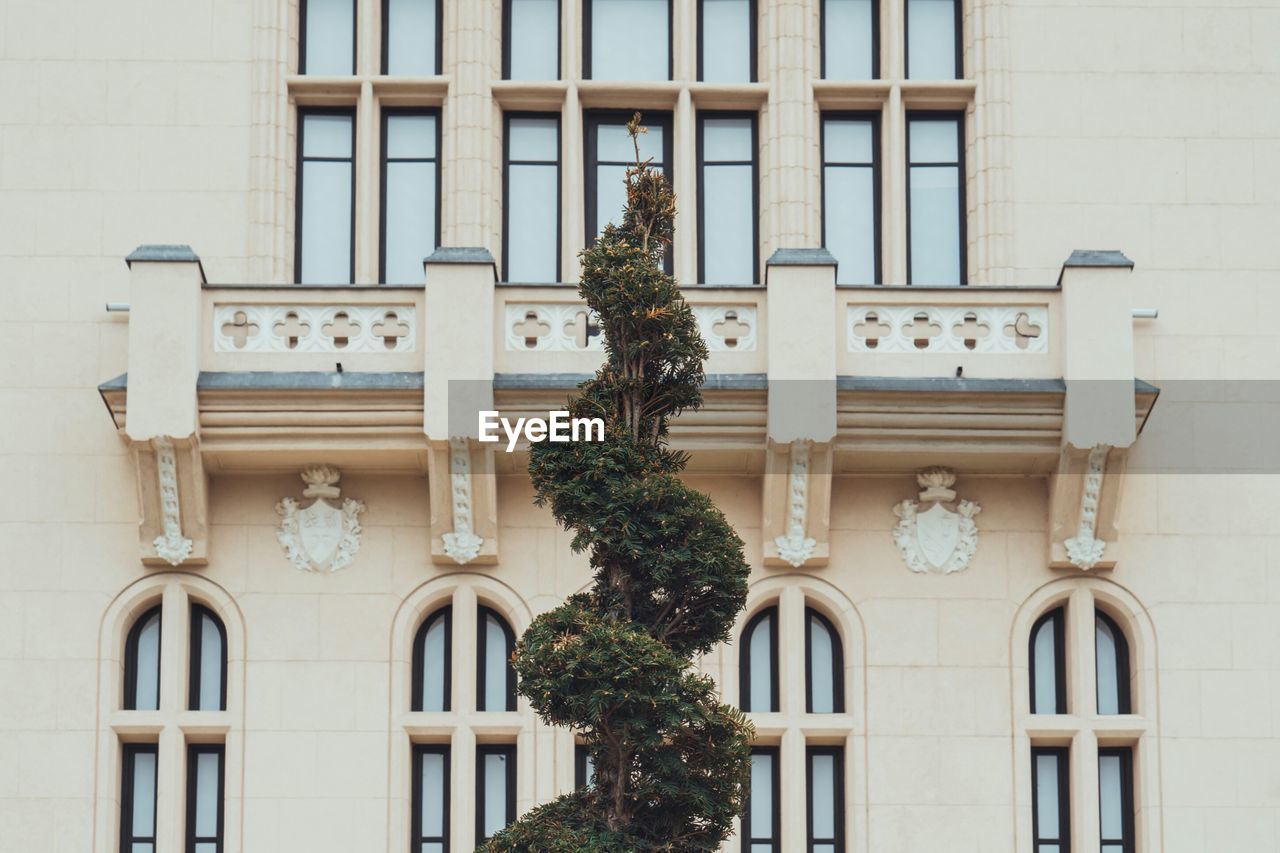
x: 1051, y: 818
x: 825, y: 774
x: 934, y: 199
x: 325, y: 198
x: 849, y: 197
x: 849, y: 32
x: 726, y: 42
x: 329, y: 37
x: 1115, y: 799
x: 142, y: 663
x: 825, y: 664
x: 534, y: 40
x: 495, y: 789
x: 431, y: 662
x: 760, y: 830
x: 495, y: 684
x: 411, y: 37
x: 1111, y: 651
x: 728, y: 215
x: 758, y: 664
x: 411, y: 195
x: 1048, y: 666
x: 533, y: 199
x: 208, y: 661
x: 630, y: 39
x: 204, y: 798
x: 931, y: 39
x: 430, y: 798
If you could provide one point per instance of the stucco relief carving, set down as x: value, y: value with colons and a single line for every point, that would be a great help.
x: 1085, y: 549
x: 948, y: 328
x: 727, y: 328
x: 314, y: 328
x: 461, y: 544
x: 795, y: 547
x: 936, y: 539
x: 571, y: 327
x: 322, y: 536
x: 171, y: 546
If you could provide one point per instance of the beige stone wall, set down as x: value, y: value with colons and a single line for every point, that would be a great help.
x: 1150, y: 127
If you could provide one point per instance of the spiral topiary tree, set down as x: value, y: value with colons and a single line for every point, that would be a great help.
x: 671, y: 762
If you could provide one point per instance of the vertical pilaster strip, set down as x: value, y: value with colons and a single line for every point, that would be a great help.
x: 474, y: 27
x: 269, y: 229
x: 988, y: 56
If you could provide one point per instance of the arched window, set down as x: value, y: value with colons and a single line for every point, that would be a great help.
x: 1048, y: 664
x: 1112, y: 652
x: 142, y: 663
x: 433, y: 662
x: 824, y: 665
x: 758, y: 663
x: 207, y: 689
x: 495, y: 676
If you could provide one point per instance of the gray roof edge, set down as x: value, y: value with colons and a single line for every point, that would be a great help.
x: 1098, y: 258
x: 170, y: 253
x: 304, y: 380
x: 460, y: 255
x: 949, y: 384
x: 819, y: 257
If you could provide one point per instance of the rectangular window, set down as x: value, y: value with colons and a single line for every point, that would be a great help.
x: 727, y: 220
x: 138, y: 799
x: 1115, y: 799
x: 933, y: 40
x: 325, y: 218
x: 609, y: 153
x: 328, y: 44
x: 627, y: 39
x: 935, y: 198
x: 727, y: 41
x: 495, y: 790
x: 531, y: 228
x: 761, y: 823
x: 410, y: 193
x: 205, y: 780
x: 850, y: 39
x: 584, y: 766
x: 430, y: 805
x: 851, y: 195
x: 1050, y: 802
x: 825, y: 777
x: 411, y: 32
x: 531, y: 49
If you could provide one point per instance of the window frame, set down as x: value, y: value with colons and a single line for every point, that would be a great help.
x: 386, y: 41
x: 355, y: 36
x: 581, y: 754
x: 191, y: 840
x: 507, y: 162
x: 958, y: 116
x: 1058, y: 616
x: 775, y: 840
x: 744, y: 661
x: 299, y: 167
x: 958, y: 7
x: 875, y: 44
x: 837, y: 753
x: 387, y: 114
x: 482, y: 653
x: 194, y: 660
x: 877, y: 183
x: 1124, y: 674
x: 482, y: 750
x: 416, y: 838
x: 506, y: 38
x: 837, y: 663
x: 1128, y: 821
x: 591, y: 121
x: 416, y: 682
x: 700, y: 164
x: 753, y: 37
x: 586, y: 41
x: 130, y: 702
x: 1063, y: 755
x: 129, y: 751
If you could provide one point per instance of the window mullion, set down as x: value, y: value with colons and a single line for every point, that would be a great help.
x: 175, y: 629
x: 1082, y: 674
x: 1085, y: 825
x: 463, y: 770
x: 893, y: 192
x: 790, y: 635
x: 465, y: 689
x: 367, y: 185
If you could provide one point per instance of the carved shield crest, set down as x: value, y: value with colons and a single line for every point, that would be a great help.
x: 937, y: 538
x: 320, y: 537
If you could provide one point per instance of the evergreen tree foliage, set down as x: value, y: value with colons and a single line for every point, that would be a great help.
x: 672, y: 762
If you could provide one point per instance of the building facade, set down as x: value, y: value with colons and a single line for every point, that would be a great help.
x: 987, y: 286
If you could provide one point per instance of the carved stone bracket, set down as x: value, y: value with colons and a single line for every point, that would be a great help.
x: 463, y: 504
x: 797, y: 504
x: 1084, y: 497
x: 173, y: 497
